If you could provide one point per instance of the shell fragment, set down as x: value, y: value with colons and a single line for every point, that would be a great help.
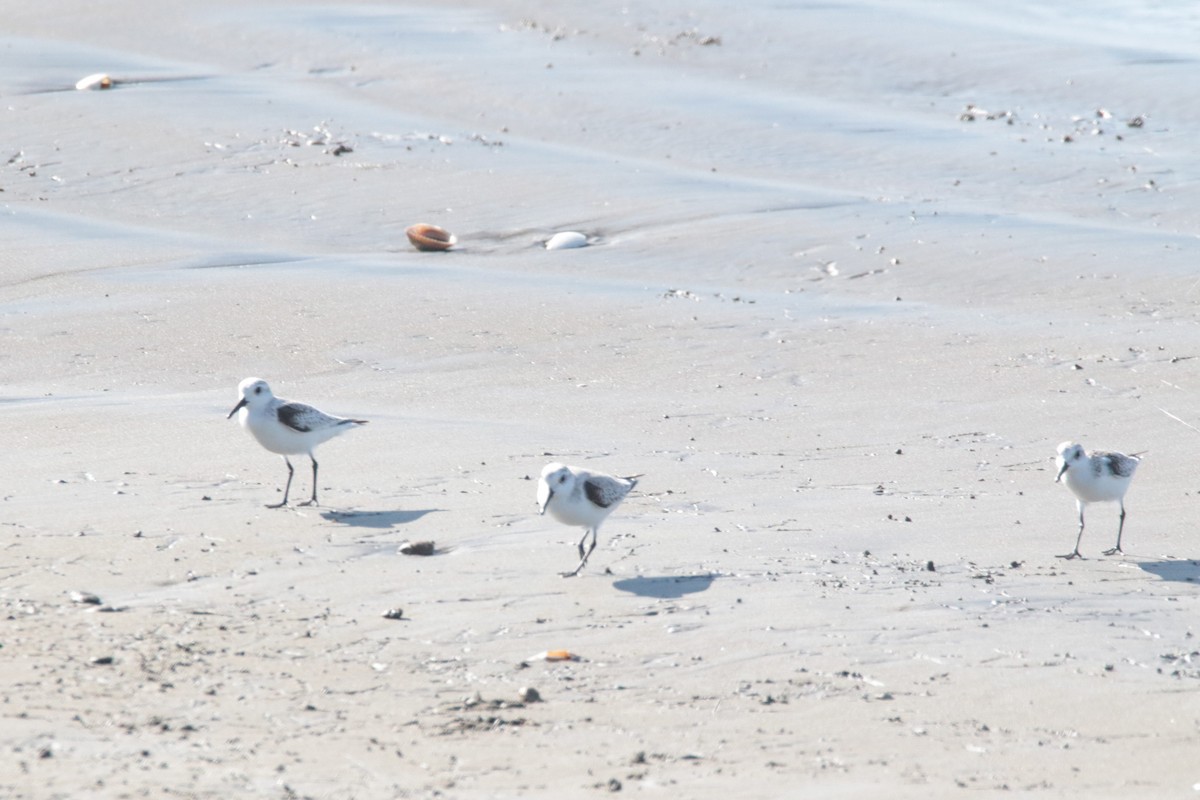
x: 100, y: 80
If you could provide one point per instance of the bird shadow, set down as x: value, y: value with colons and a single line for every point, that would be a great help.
x: 1186, y: 570
x: 376, y: 519
x: 667, y: 586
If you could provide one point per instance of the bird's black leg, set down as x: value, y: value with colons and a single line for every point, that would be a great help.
x: 1120, y: 530
x: 287, y: 486
x: 313, y: 500
x: 583, y: 557
x: 590, y: 549
x: 1078, y: 539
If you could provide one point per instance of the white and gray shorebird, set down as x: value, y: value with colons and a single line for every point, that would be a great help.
x: 287, y: 428
x: 575, y: 496
x: 1095, y: 478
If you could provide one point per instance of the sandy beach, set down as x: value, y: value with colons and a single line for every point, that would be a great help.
x: 853, y: 272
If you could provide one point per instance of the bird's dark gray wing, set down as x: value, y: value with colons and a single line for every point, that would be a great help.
x: 1119, y: 464
x: 304, y: 418
x: 604, y: 490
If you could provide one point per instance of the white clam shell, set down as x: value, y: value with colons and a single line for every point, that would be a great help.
x: 100, y: 80
x: 566, y: 240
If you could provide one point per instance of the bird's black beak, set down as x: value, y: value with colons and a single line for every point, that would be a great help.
x: 1061, y: 471
x: 237, y: 408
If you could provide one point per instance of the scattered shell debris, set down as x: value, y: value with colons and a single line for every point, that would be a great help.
x: 477, y: 701
x: 85, y: 598
x: 973, y: 112
x: 430, y: 238
x: 417, y: 549
x: 1090, y: 124
x: 319, y: 136
x: 100, y: 80
x: 394, y: 613
x: 565, y: 240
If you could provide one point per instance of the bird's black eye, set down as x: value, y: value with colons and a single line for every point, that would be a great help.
x: 562, y: 478
x: 258, y: 390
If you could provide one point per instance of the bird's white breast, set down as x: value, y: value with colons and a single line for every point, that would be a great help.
x: 1092, y: 488
x: 272, y: 434
x: 573, y: 508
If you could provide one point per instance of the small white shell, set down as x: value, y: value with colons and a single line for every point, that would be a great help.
x: 566, y: 240
x: 100, y: 80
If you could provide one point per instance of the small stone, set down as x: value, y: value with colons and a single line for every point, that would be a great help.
x: 394, y: 613
x: 417, y: 548
x: 929, y: 567
x: 528, y: 694
x: 86, y: 598
x: 614, y: 785
x: 101, y: 661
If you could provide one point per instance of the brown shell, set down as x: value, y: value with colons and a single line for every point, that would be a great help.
x: 429, y: 237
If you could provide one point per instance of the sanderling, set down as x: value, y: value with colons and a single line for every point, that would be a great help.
x: 1094, y: 478
x: 576, y: 496
x: 287, y: 428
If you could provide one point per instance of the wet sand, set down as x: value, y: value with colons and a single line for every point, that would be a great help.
x: 855, y: 272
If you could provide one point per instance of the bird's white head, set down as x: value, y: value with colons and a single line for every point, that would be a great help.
x: 555, y: 478
x: 254, y: 393
x: 1068, y: 454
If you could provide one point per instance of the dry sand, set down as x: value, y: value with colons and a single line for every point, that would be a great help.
x: 856, y: 270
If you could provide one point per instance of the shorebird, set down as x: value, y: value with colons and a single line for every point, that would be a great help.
x: 575, y: 496
x: 1095, y: 478
x: 287, y: 428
